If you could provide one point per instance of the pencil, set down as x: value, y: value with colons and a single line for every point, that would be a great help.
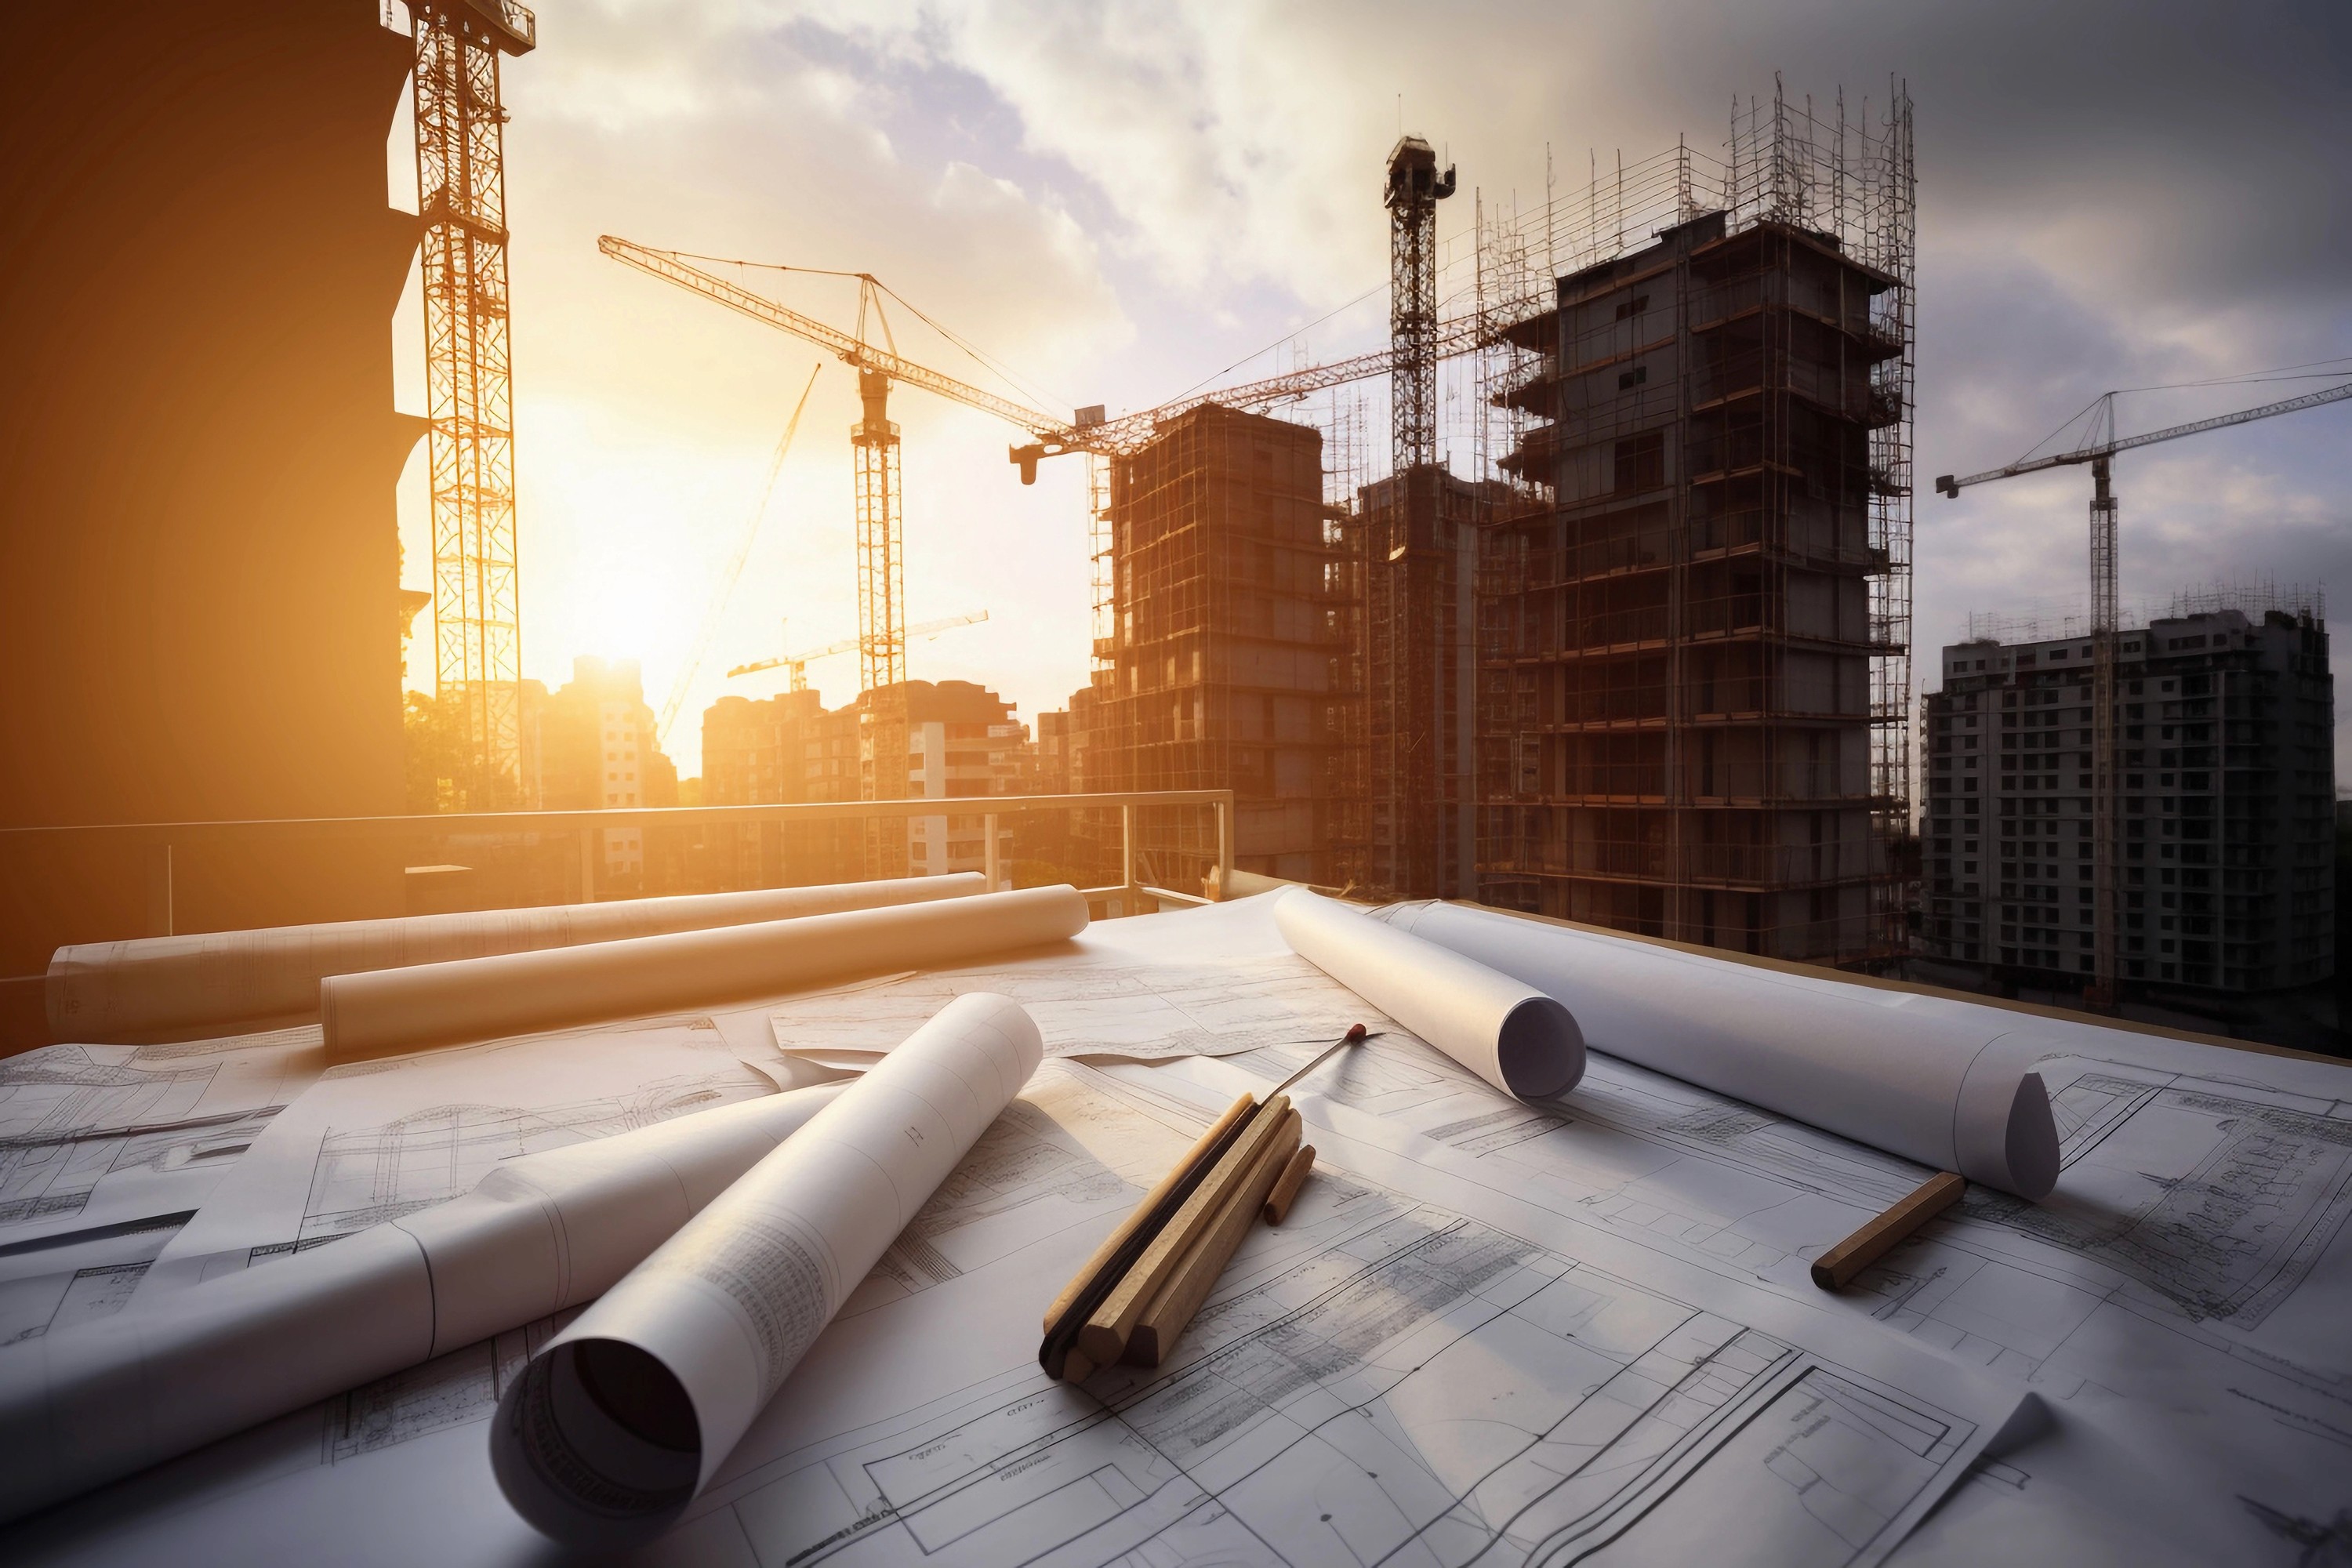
x: 1833, y: 1269
x: 1127, y: 1228
x: 1287, y: 1186
x: 1155, y: 1332
x: 1104, y: 1338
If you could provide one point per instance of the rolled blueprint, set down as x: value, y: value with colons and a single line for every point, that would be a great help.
x: 540, y: 1233
x: 103, y: 990
x: 1507, y: 1031
x: 614, y: 1428
x: 398, y: 1010
x: 1949, y: 1084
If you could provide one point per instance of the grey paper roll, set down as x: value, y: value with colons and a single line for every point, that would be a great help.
x: 540, y: 1233
x: 1509, y: 1033
x: 431, y: 1004
x: 624, y: 1417
x: 1946, y: 1084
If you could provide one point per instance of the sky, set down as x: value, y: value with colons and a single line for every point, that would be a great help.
x: 1121, y: 202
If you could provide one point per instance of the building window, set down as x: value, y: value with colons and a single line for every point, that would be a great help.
x: 1640, y: 462
x: 1628, y: 380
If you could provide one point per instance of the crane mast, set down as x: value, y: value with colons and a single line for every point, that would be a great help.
x: 2098, y: 454
x: 461, y: 197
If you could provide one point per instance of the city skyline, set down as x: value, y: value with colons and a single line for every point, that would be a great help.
x: 1119, y: 230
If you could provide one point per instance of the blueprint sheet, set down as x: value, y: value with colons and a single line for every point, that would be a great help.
x: 2181, y: 1304
x: 1412, y: 1370
x: 107, y: 1151
x: 373, y: 1141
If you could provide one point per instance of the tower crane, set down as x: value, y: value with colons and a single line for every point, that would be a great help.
x: 797, y: 663
x: 2098, y: 452
x: 882, y: 637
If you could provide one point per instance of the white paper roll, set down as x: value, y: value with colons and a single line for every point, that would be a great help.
x: 1507, y: 1031
x: 153, y: 984
x: 1947, y: 1084
x: 540, y: 1233
x: 616, y: 1425
x: 398, y: 1010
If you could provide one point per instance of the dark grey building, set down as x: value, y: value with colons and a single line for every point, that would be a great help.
x: 2226, y: 787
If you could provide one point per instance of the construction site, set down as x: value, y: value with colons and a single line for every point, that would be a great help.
x: 1585, y: 594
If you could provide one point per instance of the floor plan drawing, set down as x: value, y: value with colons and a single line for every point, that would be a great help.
x: 2217, y: 1199
x: 369, y: 1174
x: 94, y: 1133
x: 375, y: 1140
x: 1387, y: 1382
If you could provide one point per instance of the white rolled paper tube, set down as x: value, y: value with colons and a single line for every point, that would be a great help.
x: 540, y: 1233
x: 398, y: 1010
x: 1509, y: 1033
x: 1947, y: 1084
x: 100, y: 990
x: 615, y: 1427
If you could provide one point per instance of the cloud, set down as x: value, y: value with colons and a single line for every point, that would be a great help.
x: 1118, y: 199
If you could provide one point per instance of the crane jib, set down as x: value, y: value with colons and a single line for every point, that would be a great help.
x: 1947, y: 485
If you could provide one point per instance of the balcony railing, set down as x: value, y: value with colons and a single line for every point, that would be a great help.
x: 155, y: 842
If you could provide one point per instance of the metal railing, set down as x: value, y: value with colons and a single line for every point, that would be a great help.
x: 1129, y: 896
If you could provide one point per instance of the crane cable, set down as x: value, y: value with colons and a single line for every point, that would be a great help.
x: 710, y: 618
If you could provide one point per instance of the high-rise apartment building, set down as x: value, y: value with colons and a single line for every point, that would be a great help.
x: 2225, y: 720
x: 1234, y: 650
x: 1420, y: 544
x: 595, y: 750
x: 1676, y: 633
x: 963, y: 743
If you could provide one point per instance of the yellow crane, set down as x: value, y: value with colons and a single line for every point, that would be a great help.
x: 874, y: 442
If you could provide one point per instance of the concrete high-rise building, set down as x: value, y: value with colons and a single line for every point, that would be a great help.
x: 1678, y: 638
x: 1420, y: 546
x: 1233, y: 649
x: 2225, y: 720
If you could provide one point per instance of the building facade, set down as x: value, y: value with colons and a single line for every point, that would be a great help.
x: 1676, y: 639
x: 962, y: 744
x: 2225, y: 723
x: 1233, y: 648
x: 1420, y: 552
x: 595, y: 748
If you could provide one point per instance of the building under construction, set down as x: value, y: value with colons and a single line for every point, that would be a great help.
x: 1234, y: 647
x: 1692, y: 622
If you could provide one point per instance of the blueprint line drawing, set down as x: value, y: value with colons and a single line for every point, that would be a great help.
x: 1140, y: 1012
x: 2224, y: 1219
x: 1383, y: 1382
x: 367, y: 1176
x: 453, y: 1390
x: 69, y: 1119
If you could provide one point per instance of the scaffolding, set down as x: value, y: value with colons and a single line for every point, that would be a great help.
x: 461, y: 197
x: 1695, y: 598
